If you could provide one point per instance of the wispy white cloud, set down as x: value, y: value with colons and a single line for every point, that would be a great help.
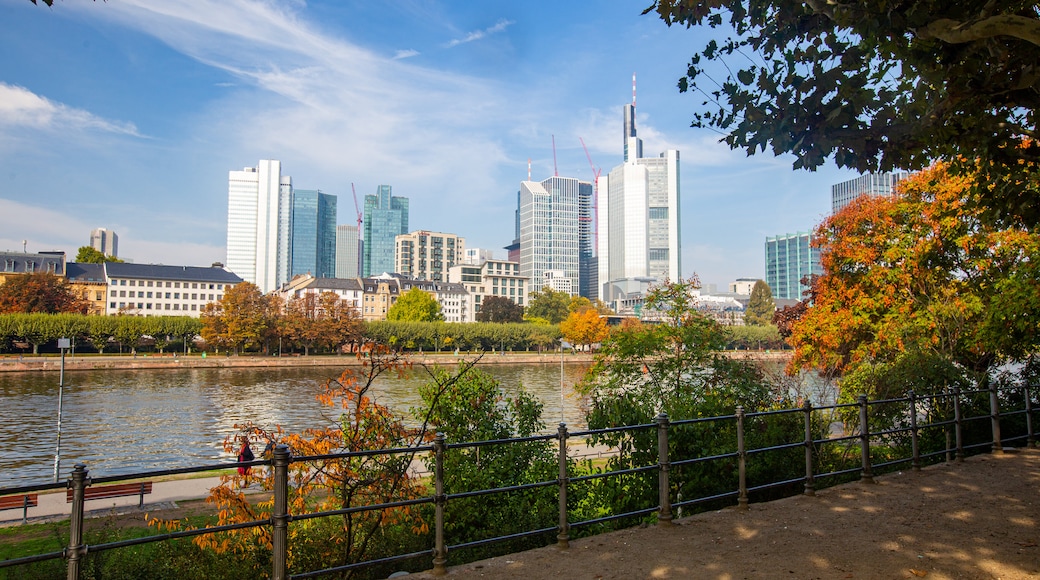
x: 21, y: 107
x: 479, y: 34
x: 409, y: 53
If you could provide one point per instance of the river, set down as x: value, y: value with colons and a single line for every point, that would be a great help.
x: 119, y: 422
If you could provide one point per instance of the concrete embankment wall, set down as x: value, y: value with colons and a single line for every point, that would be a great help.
x: 14, y: 363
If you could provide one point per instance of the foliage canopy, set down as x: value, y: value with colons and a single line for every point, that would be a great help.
x: 761, y: 307
x: 40, y: 292
x: 415, y: 306
x: 877, y: 85
x: 923, y: 275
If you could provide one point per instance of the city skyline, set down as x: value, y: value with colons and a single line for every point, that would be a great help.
x: 145, y: 106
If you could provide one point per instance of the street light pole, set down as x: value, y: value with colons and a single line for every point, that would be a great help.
x: 63, y: 343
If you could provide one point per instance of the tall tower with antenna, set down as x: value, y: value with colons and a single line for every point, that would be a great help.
x: 633, y: 144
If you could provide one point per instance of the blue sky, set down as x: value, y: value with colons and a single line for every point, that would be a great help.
x: 128, y: 114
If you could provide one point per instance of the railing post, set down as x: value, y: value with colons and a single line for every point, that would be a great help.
x: 994, y: 417
x: 563, y: 536
x: 914, y: 443
x: 664, y: 495
x: 742, y: 499
x: 867, y: 476
x: 958, y: 424
x: 1030, y: 435
x: 440, y: 551
x: 810, y: 480
x: 280, y: 513
x: 74, y: 552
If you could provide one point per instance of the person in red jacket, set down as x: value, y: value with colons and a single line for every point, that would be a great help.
x: 245, y: 455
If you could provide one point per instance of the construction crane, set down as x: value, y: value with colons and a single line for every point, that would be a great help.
x: 357, y: 208
x: 595, y: 190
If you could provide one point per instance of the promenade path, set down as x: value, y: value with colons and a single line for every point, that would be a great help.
x: 976, y: 520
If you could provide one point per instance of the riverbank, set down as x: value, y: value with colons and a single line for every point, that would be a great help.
x: 52, y: 363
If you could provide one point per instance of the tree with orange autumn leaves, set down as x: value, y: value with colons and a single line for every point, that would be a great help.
x: 318, y: 482
x: 921, y: 275
x: 584, y: 327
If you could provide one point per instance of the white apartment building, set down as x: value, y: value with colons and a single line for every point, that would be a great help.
x: 349, y: 290
x: 491, y: 278
x: 156, y: 290
x: 259, y: 224
x: 453, y: 298
x: 427, y: 255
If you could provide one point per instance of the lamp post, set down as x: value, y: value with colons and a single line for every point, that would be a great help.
x: 563, y: 344
x: 63, y: 343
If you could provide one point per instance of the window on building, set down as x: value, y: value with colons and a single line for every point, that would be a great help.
x: 194, y: 296
x: 176, y: 284
x: 176, y: 306
x: 167, y: 294
x: 176, y: 295
x: 122, y: 282
x: 133, y: 282
x: 149, y: 295
x: 193, y: 306
x: 167, y: 307
x: 149, y: 283
x: 113, y: 294
x: 195, y: 285
x: 112, y: 305
x: 30, y: 266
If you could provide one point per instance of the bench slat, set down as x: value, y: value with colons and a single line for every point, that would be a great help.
x: 110, y: 491
x: 18, y: 501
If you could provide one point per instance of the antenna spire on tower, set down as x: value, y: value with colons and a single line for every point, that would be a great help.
x: 633, y: 90
x: 528, y: 169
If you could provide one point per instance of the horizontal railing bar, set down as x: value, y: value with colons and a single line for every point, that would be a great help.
x: 495, y: 540
x: 30, y: 559
x: 893, y: 462
x: 361, y: 508
x: 352, y: 454
x: 681, y: 462
x: 480, y: 492
x: 612, y: 430
x: 837, y: 439
x: 698, y: 500
x: 836, y: 473
x: 773, y: 412
x: 776, y: 447
x: 775, y: 484
x: 614, y: 517
x: 681, y: 422
x: 176, y: 535
x: 500, y: 441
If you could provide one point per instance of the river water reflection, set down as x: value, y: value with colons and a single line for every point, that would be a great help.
x: 119, y: 422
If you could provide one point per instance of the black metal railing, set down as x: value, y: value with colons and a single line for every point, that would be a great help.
x: 938, y: 416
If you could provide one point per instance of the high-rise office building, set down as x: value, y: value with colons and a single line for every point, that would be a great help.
x: 260, y: 224
x: 386, y: 217
x: 105, y: 241
x: 874, y: 184
x: 789, y: 258
x: 428, y: 255
x: 638, y: 225
x: 348, y: 252
x: 313, y: 234
x: 551, y: 228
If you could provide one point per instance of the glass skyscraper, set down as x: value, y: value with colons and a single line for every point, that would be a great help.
x: 551, y: 228
x: 386, y: 217
x: 789, y: 258
x: 875, y: 184
x: 313, y: 233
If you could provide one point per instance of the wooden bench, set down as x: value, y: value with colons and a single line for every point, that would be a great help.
x: 24, y: 501
x: 110, y: 491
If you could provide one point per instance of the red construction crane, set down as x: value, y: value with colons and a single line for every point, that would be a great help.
x: 357, y: 208
x: 595, y: 190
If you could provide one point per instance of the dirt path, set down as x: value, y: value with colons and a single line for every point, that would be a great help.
x: 976, y: 520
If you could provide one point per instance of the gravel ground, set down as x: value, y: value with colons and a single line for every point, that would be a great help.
x: 974, y: 520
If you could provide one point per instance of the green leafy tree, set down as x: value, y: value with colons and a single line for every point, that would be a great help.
x: 415, y: 305
x: 674, y: 367
x: 876, y: 85
x: 89, y: 255
x: 500, y: 309
x: 761, y: 307
x: 548, y: 304
x: 128, y: 331
x: 38, y: 292
x: 100, y: 329
x: 470, y: 407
